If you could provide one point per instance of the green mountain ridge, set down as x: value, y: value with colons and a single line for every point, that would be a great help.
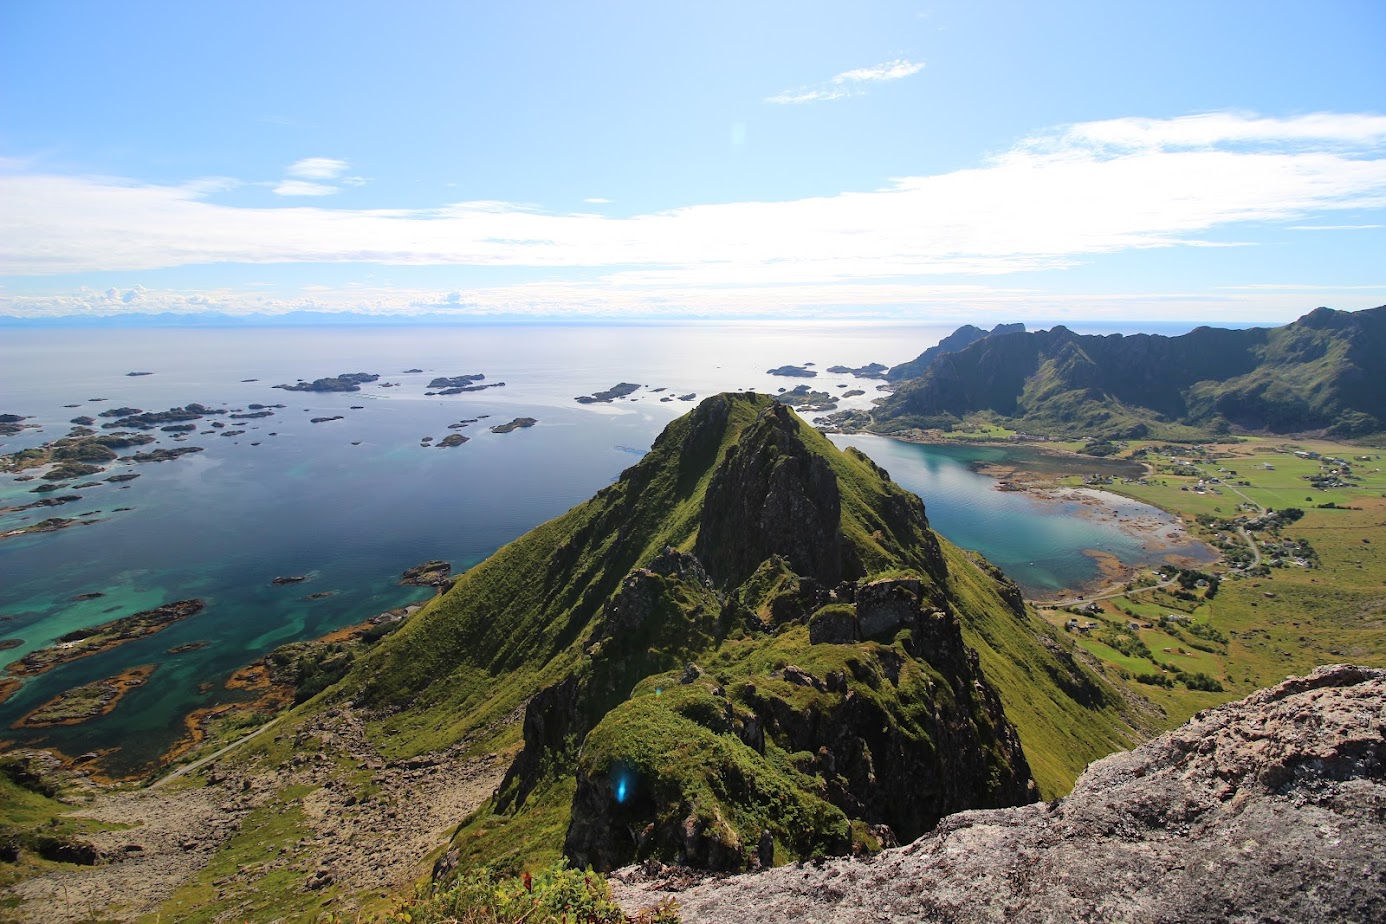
x: 1319, y: 374
x: 750, y: 642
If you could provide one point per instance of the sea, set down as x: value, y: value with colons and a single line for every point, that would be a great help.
x: 351, y: 502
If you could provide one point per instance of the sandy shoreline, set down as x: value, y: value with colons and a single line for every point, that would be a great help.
x: 1161, y: 534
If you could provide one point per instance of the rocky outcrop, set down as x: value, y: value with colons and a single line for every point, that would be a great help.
x: 1269, y: 809
x: 963, y: 337
x: 772, y: 495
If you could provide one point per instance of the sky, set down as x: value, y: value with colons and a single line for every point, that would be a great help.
x: 978, y: 161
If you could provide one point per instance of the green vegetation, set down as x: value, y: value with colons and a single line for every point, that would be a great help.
x: 554, y: 894
x: 36, y: 834
x: 1312, y: 511
x: 259, y: 875
x: 1318, y: 373
x: 601, y: 612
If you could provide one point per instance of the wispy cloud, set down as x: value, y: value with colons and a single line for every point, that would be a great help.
x: 848, y: 83
x: 307, y: 177
x: 1336, y: 227
x: 317, y: 168
x: 597, y: 200
x: 1053, y: 201
x: 304, y: 188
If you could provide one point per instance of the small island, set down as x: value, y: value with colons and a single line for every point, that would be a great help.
x: 289, y: 579
x: 803, y: 398
x: 134, y: 374
x: 161, y: 455
x: 460, y: 384
x: 609, y: 395
x: 452, y: 439
x: 46, y: 526
x: 517, y: 424
x: 135, y: 419
x: 796, y: 372
x: 347, y: 381
x: 869, y: 371
x: 45, y: 502
x: 82, y: 643
x: 88, y: 701
x: 327, y: 419
x: 434, y: 573
x: 456, y: 381
x: 10, y: 424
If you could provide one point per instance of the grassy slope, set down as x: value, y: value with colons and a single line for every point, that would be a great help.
x: 1316, y: 373
x: 466, y: 664
x: 462, y: 669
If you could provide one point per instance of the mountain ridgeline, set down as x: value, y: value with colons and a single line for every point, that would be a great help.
x: 749, y: 649
x: 1321, y: 373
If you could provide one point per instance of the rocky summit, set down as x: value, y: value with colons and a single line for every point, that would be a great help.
x: 1268, y: 809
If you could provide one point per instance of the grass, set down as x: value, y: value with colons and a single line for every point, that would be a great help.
x: 1289, y: 620
x: 258, y: 875
x: 534, y: 614
x: 29, y: 814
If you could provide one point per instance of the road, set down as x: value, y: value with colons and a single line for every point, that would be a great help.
x: 1116, y: 590
x: 203, y: 761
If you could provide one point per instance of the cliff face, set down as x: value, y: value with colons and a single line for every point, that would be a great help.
x: 1269, y: 809
x: 749, y: 649
x: 1313, y: 374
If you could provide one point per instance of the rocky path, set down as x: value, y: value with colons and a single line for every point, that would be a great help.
x: 356, y: 844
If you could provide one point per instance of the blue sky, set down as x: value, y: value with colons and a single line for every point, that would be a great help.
x: 986, y: 161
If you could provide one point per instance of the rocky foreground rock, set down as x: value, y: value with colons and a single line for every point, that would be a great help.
x: 1269, y: 809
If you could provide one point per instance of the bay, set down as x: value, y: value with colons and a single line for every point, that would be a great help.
x: 350, y: 503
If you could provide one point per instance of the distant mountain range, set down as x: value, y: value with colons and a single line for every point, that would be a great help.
x: 1324, y: 373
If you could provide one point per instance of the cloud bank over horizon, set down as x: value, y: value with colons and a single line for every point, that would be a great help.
x: 974, y: 237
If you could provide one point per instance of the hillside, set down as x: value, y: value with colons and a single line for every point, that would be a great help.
x: 1266, y: 809
x: 750, y: 642
x: 959, y: 339
x: 1321, y: 373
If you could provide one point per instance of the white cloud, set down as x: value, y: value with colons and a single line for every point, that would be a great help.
x: 1053, y: 201
x: 317, y: 168
x: 597, y: 200
x: 911, y: 303
x: 1316, y: 130
x: 848, y: 83
x: 303, y: 188
x: 1336, y: 227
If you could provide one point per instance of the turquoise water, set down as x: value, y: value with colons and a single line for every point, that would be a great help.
x: 353, y: 502
x: 1043, y: 545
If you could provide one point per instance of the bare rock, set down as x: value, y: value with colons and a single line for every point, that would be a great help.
x: 1268, y: 809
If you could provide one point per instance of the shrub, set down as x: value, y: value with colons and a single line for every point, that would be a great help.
x: 1201, y: 681
x: 552, y: 895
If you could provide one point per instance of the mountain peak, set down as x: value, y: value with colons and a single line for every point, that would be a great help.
x: 751, y: 642
x: 771, y: 494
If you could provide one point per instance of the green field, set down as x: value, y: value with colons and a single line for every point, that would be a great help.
x: 1284, y: 620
